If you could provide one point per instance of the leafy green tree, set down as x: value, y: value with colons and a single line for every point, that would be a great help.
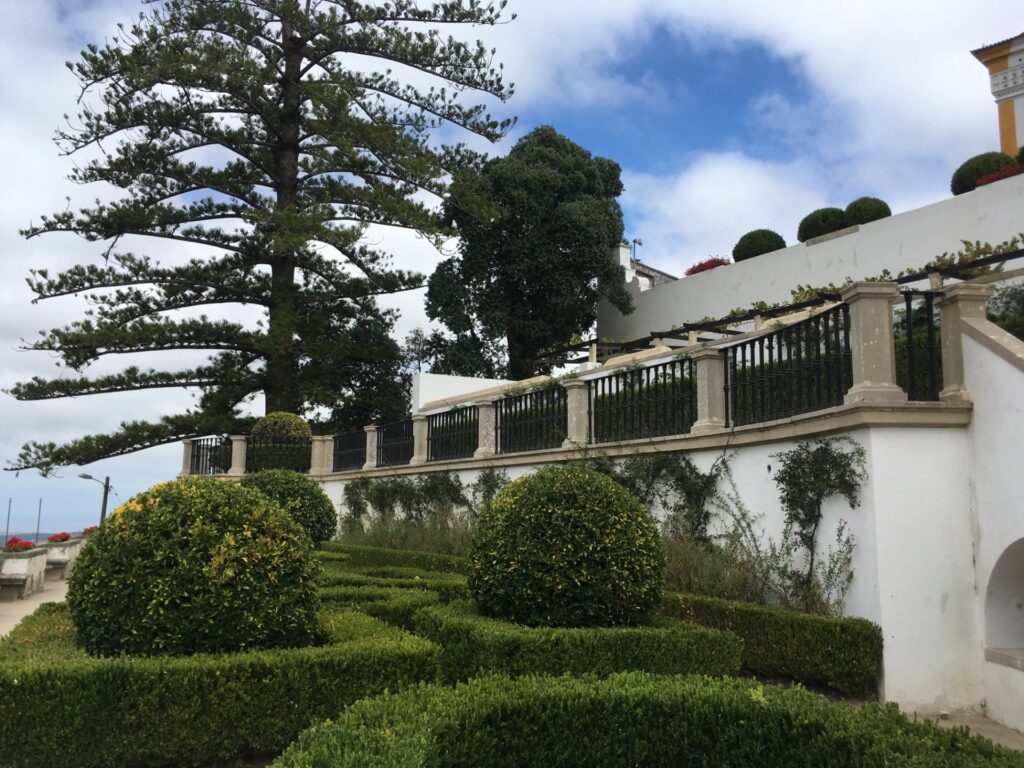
x: 257, y: 134
x: 537, y: 230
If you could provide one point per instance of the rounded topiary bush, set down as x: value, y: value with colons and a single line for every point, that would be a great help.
x: 756, y: 242
x: 195, y: 565
x: 1020, y: 156
x: 281, y: 425
x: 823, y: 221
x: 966, y: 176
x: 866, y: 209
x: 300, y: 497
x: 566, y: 546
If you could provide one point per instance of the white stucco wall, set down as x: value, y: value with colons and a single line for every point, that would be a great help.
x: 993, y: 213
x: 427, y: 387
x: 997, y: 388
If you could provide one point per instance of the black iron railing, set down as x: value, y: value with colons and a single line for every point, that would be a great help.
x: 349, y: 451
x: 918, y: 355
x: 454, y: 434
x: 394, y: 444
x: 210, y: 456
x: 643, y: 402
x: 531, y: 421
x: 278, y: 453
x: 803, y: 367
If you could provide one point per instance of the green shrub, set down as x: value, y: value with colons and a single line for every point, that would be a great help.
x: 427, y: 561
x: 300, y: 497
x: 567, y: 546
x: 280, y: 425
x: 473, y: 644
x: 821, y: 222
x: 74, y: 711
x: 864, y: 210
x: 630, y: 719
x: 755, y: 243
x: 195, y: 565
x: 843, y: 654
x: 394, y: 605
x: 966, y: 176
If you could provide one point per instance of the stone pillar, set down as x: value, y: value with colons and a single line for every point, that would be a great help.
x: 419, y: 440
x: 711, y: 404
x: 959, y: 301
x: 487, y: 428
x: 871, y: 343
x: 237, y: 455
x: 578, y: 414
x: 371, y: 446
x: 186, y: 457
x: 322, y: 459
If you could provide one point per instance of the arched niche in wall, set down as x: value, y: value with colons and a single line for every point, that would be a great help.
x: 1004, y: 601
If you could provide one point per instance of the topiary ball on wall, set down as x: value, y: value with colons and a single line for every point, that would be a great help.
x: 300, y: 497
x: 756, y: 242
x: 566, y: 546
x: 281, y: 425
x: 823, y: 221
x: 965, y: 178
x: 195, y: 566
x: 864, y: 210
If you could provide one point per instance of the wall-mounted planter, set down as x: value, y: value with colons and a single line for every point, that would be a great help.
x: 30, y: 564
x: 61, y: 556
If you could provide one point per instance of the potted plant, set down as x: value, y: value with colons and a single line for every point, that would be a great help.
x: 23, y: 564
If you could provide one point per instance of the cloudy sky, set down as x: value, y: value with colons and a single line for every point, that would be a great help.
x: 725, y: 116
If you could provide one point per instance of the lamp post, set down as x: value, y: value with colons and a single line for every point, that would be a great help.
x: 106, y: 492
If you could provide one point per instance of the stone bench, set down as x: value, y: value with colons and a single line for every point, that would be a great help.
x: 14, y: 587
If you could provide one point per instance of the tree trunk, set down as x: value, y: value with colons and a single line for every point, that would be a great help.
x: 520, y: 359
x: 280, y: 387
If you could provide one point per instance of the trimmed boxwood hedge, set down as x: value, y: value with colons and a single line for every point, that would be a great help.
x: 630, y: 720
x: 473, y: 644
x: 60, y: 707
x: 842, y: 654
x: 821, y: 222
x: 449, y: 586
x: 427, y: 561
x: 392, y: 604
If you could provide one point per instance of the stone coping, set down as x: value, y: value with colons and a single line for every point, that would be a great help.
x: 1007, y: 657
x: 843, y: 418
x: 34, y: 552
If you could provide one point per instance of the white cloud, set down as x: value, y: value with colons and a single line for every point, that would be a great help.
x: 704, y: 210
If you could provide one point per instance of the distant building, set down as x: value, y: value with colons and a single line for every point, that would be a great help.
x: 1005, y: 63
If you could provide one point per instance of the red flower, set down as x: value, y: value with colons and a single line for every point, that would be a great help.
x: 709, y: 263
x: 14, y: 544
x: 1006, y: 173
x: 59, y: 537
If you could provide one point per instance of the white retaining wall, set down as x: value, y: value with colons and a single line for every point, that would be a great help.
x: 993, y: 213
x: 941, y: 506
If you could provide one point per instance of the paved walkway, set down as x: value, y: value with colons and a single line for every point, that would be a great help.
x: 982, y: 726
x: 14, y: 611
